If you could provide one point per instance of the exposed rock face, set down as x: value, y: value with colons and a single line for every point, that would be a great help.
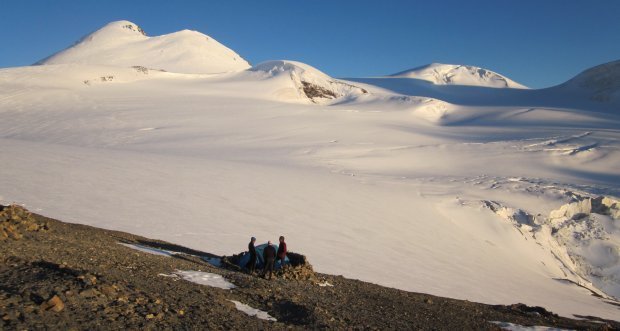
x: 314, y: 91
x: 15, y: 221
x: 134, y: 27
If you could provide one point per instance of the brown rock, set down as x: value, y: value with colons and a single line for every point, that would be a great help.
x: 54, y: 304
x: 15, y: 235
x: 88, y: 279
x: 108, y: 290
x: 32, y: 227
x: 89, y: 293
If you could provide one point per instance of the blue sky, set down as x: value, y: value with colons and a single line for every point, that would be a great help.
x: 537, y: 43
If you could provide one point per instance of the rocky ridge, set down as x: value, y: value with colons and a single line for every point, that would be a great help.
x: 69, y: 276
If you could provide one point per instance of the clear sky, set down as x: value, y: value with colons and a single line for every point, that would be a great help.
x: 537, y: 43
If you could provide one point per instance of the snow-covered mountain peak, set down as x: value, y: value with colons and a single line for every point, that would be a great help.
x: 453, y: 74
x: 125, y: 44
x: 308, y: 81
x: 278, y: 67
x: 115, y: 32
x: 123, y: 25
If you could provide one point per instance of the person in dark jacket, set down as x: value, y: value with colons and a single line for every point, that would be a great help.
x: 269, y: 255
x: 252, y: 263
x: 282, y: 251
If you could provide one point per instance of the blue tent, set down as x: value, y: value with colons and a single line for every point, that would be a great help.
x: 245, y: 258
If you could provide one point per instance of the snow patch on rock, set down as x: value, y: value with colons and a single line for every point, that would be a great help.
x: 253, y: 311
x: 205, y: 278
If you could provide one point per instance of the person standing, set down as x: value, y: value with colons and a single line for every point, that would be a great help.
x: 252, y: 263
x: 282, y: 251
x: 269, y: 255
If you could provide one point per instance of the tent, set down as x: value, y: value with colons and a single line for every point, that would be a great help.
x: 245, y: 257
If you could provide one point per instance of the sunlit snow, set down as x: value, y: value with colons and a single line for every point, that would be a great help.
x: 204, y: 278
x: 253, y: 311
x: 453, y: 190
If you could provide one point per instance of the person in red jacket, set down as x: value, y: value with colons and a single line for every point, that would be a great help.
x: 282, y: 251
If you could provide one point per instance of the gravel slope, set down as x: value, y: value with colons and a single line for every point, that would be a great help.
x: 68, y: 276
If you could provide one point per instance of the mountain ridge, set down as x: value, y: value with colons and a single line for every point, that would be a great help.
x: 600, y: 83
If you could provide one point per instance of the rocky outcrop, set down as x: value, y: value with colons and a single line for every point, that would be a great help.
x: 298, y: 269
x: 15, y: 221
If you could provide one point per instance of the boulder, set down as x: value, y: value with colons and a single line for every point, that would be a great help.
x: 54, y: 304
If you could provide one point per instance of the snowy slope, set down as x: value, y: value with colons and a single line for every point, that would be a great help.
x: 124, y: 44
x: 299, y: 81
x: 455, y: 197
x: 451, y: 74
x: 600, y: 83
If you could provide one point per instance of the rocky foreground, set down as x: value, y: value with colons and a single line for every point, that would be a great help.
x: 55, y: 275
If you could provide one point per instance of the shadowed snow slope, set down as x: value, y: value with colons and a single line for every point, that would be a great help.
x: 452, y: 74
x: 124, y: 44
x: 596, y: 89
x: 303, y: 82
x: 600, y: 83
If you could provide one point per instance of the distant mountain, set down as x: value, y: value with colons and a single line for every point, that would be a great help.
x: 600, y: 83
x: 125, y: 44
x: 304, y: 81
x: 452, y: 74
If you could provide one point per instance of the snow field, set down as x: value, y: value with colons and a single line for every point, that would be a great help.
x: 443, y: 189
